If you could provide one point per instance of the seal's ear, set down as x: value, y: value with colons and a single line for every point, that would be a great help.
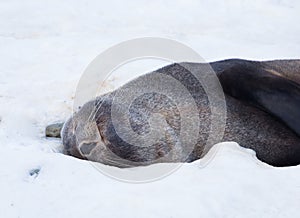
x: 265, y: 89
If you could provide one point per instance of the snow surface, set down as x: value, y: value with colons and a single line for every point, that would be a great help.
x: 44, y: 48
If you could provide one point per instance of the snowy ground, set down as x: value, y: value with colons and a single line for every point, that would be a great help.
x: 44, y: 48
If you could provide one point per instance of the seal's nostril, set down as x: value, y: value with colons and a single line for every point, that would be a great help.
x: 86, y: 148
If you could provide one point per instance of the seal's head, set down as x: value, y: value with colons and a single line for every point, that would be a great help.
x: 85, y: 134
x: 80, y: 135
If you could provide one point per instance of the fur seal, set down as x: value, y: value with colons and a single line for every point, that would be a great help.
x: 262, y: 100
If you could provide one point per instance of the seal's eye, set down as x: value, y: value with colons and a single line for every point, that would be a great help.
x: 86, y: 148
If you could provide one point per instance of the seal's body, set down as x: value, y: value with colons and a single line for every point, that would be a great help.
x: 262, y: 101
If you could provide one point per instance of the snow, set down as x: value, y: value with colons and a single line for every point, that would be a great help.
x: 45, y: 47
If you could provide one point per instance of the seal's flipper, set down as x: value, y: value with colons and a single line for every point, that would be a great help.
x: 265, y: 89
